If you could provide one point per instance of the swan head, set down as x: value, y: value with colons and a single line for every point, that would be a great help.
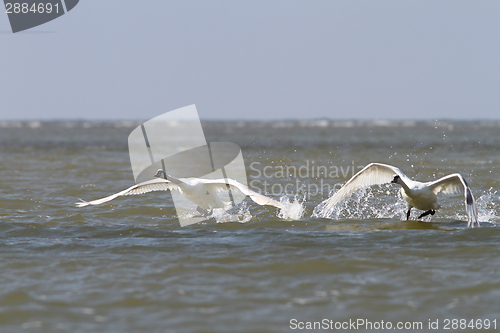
x: 159, y: 173
x: 396, y: 179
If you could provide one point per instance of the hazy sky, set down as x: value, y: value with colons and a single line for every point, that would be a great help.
x: 256, y: 60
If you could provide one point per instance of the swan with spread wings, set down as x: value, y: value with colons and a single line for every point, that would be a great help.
x: 422, y: 196
x: 202, y: 192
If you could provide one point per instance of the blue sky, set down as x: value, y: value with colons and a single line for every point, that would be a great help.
x: 256, y: 60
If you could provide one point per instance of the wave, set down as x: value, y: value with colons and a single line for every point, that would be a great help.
x: 292, y: 123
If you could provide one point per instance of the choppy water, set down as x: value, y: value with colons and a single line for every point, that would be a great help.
x: 127, y: 266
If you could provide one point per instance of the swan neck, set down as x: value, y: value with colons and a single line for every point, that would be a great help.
x: 175, y: 180
x: 403, y: 185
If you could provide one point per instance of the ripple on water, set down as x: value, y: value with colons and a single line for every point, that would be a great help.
x: 128, y: 266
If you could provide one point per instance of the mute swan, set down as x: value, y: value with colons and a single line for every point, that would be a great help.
x: 419, y: 195
x: 202, y: 192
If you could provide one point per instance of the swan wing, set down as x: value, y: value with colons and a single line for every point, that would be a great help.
x: 455, y: 183
x: 372, y: 174
x: 220, y: 185
x: 158, y: 184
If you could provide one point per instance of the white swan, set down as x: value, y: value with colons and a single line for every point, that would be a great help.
x: 419, y: 195
x: 202, y: 192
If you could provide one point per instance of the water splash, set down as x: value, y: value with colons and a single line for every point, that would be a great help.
x: 240, y: 213
x: 382, y: 201
x: 293, y: 209
x: 386, y: 202
x: 487, y: 206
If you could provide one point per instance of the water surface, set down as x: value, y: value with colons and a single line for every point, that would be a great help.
x: 128, y: 266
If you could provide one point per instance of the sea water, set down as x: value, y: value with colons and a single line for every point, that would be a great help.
x: 128, y: 266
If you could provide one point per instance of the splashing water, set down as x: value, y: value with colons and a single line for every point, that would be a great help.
x: 386, y: 202
x: 240, y: 213
x: 487, y: 207
x: 293, y: 209
x: 382, y: 201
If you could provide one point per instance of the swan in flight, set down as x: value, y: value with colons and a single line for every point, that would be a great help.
x: 419, y: 195
x: 202, y: 192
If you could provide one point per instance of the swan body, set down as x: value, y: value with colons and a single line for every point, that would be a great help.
x: 422, y: 196
x: 202, y: 192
